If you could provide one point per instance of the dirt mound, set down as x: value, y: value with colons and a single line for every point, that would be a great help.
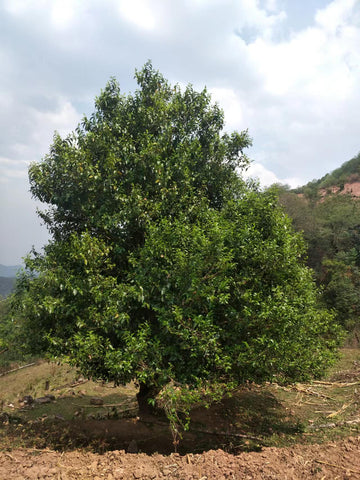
x: 339, y: 460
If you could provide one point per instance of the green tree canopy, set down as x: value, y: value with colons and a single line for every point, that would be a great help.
x: 164, y: 264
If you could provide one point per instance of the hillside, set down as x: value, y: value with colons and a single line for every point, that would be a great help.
x: 327, y: 213
x: 351, y: 187
x: 6, y: 286
x: 7, y: 278
x: 345, y: 179
x: 9, y: 271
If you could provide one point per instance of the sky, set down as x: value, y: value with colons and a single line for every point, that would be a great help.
x: 288, y: 71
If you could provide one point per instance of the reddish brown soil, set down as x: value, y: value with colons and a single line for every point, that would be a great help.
x: 339, y: 460
x: 352, y: 188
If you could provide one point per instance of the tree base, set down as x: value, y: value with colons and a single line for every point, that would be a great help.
x: 146, y: 393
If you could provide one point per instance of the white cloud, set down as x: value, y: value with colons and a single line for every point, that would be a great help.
x: 314, y: 62
x: 17, y: 7
x: 64, y: 120
x: 10, y: 161
x: 267, y: 177
x: 139, y: 13
x: 12, y: 169
x: 7, y: 174
x: 338, y: 14
x: 319, y: 65
x: 302, y: 112
x: 266, y: 20
x: 63, y: 12
x: 271, y: 5
x: 230, y: 102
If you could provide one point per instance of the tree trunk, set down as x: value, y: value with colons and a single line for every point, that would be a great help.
x: 145, y: 393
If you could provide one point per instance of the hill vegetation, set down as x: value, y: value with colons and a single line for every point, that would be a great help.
x: 7, y: 279
x: 6, y: 286
x: 328, y: 215
x: 9, y: 270
x: 349, y: 172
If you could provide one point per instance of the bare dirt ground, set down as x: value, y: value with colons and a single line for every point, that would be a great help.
x: 340, y: 460
x: 303, y: 431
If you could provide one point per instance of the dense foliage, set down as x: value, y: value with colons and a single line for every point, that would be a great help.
x: 164, y: 265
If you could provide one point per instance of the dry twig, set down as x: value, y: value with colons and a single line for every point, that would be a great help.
x: 350, y: 470
x: 71, y: 385
x: 106, y: 405
x: 18, y: 368
x: 308, y: 391
x: 344, y: 407
x: 334, y: 384
x: 12, y: 458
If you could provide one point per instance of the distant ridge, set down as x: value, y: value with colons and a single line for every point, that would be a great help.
x: 9, y: 271
x: 6, y: 286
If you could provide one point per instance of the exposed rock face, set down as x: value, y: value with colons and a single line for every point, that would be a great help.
x: 352, y: 188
